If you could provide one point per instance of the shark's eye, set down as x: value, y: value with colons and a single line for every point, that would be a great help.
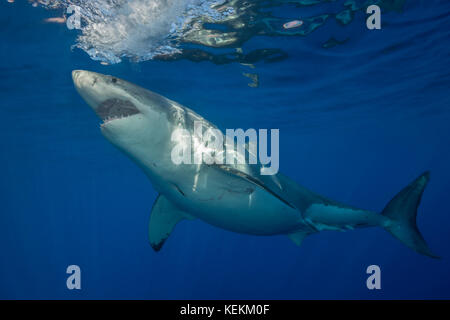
x: 114, y: 80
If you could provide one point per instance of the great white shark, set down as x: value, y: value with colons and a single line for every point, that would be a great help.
x: 234, y: 197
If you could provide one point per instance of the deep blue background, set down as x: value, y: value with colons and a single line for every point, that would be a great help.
x: 357, y: 123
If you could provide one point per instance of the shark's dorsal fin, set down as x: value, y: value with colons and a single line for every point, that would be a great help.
x: 163, y: 218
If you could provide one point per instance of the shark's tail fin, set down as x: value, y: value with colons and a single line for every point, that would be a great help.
x: 402, y: 212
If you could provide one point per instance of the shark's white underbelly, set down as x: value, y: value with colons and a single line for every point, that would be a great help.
x: 232, y: 203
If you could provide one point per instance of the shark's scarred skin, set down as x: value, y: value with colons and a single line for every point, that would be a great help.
x: 236, y: 197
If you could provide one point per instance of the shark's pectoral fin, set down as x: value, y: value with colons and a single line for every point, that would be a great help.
x: 297, y: 237
x: 163, y: 218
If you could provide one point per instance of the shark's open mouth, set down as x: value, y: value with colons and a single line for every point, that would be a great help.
x: 114, y: 109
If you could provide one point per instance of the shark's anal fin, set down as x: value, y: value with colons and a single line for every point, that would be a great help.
x: 297, y: 237
x: 163, y: 218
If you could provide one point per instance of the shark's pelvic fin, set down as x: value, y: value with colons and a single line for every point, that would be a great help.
x: 163, y: 218
x: 297, y: 237
x: 402, y: 212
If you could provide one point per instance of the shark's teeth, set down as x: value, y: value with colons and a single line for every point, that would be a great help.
x: 109, y: 119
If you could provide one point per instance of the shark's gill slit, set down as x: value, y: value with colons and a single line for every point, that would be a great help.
x: 179, y: 190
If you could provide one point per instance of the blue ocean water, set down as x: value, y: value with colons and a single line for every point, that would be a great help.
x: 357, y: 122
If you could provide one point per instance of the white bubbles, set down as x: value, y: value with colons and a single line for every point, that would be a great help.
x: 135, y: 29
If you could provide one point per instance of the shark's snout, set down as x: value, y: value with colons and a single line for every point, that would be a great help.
x: 75, y: 74
x: 84, y: 79
x: 85, y: 83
